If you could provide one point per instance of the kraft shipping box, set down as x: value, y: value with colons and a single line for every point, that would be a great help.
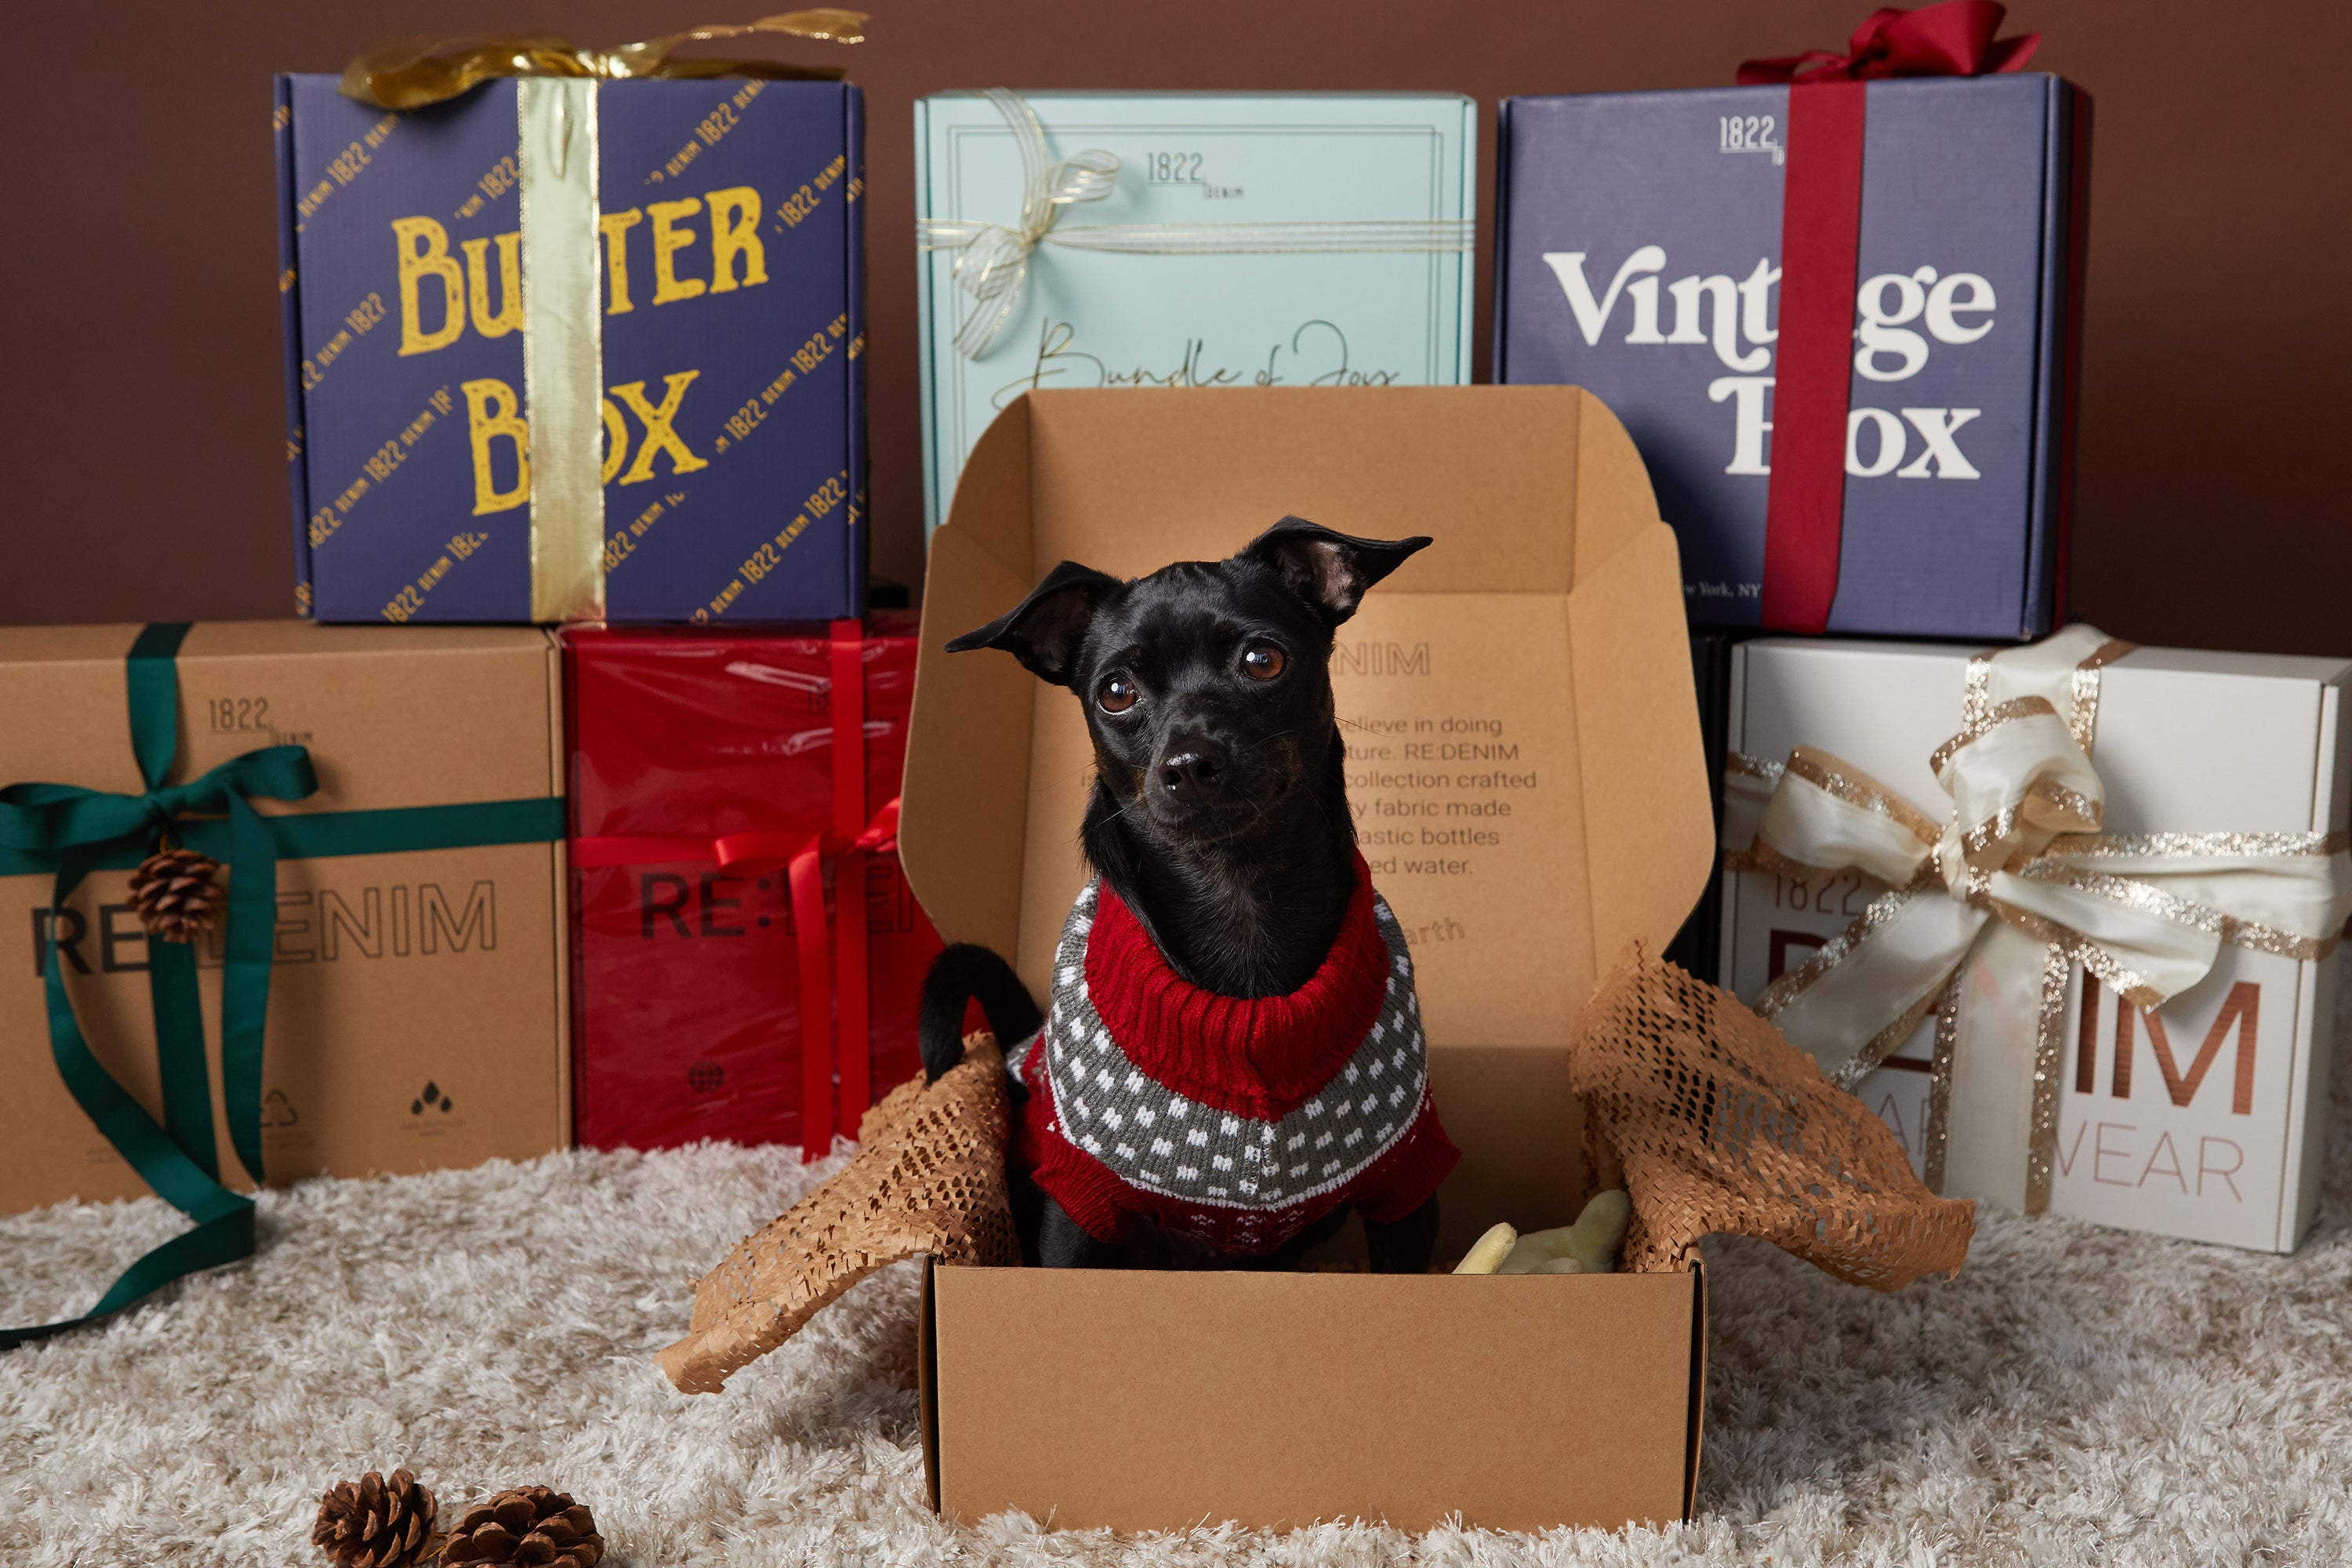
x: 1524, y: 764
x: 560, y: 348
x: 2204, y: 1118
x: 1639, y: 252
x: 417, y: 999
x: 1156, y: 239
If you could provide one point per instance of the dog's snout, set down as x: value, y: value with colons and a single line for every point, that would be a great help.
x: 1195, y: 774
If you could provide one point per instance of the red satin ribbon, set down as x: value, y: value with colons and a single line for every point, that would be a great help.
x: 852, y: 1064
x: 1821, y: 231
x: 1953, y: 39
x: 829, y: 1044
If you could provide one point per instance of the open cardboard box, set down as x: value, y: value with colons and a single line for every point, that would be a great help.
x: 1524, y: 766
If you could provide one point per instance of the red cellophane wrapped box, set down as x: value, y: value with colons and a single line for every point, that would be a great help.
x: 728, y: 789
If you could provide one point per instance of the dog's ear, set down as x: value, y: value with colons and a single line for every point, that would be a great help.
x: 1044, y: 630
x: 1332, y: 572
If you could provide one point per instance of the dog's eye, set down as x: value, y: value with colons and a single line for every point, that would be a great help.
x: 1116, y: 696
x: 1263, y: 661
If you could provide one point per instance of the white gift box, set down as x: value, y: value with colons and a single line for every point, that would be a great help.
x: 2202, y: 1119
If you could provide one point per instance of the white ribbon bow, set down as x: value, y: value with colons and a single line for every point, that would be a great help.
x: 994, y: 268
x: 1990, y: 906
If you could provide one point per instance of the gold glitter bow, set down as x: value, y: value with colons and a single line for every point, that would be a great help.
x: 2008, y: 888
x: 408, y: 73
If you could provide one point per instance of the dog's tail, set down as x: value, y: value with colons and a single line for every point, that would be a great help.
x: 959, y: 974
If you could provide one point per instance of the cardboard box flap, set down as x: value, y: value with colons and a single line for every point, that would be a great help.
x: 964, y: 793
x: 1614, y: 503
x: 1697, y: 1390
x: 1200, y: 472
x: 927, y: 1379
x: 1645, y: 773
x: 1534, y: 494
x: 996, y: 515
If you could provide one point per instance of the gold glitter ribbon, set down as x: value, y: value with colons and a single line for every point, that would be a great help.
x: 557, y: 148
x: 562, y: 347
x: 993, y: 263
x: 1991, y: 904
x: 409, y: 73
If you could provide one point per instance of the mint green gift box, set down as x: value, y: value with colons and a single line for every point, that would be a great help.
x: 1185, y: 239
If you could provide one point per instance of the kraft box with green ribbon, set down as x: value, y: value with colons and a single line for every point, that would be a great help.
x: 2063, y: 915
x: 577, y: 334
x: 380, y: 986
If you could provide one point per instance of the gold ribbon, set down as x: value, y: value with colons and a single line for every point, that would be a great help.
x: 562, y: 347
x: 1992, y: 903
x: 408, y: 73
x: 563, y: 339
x: 993, y: 265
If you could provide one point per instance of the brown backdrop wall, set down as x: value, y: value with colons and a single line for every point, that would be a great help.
x: 142, y: 411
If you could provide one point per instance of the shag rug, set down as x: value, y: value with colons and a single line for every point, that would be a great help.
x: 2075, y: 1395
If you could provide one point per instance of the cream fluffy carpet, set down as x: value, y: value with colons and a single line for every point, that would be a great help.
x: 2077, y: 1395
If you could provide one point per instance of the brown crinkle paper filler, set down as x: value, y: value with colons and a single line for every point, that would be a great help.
x: 1714, y: 1123
x: 1696, y: 1106
x: 928, y: 1177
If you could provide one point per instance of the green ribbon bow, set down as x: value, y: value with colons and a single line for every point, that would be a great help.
x: 69, y: 831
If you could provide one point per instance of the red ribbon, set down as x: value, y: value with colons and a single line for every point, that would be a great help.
x: 854, y: 1053
x: 828, y: 1045
x: 1821, y: 231
x: 1953, y: 39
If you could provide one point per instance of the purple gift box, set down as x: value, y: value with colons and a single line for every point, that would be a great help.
x: 1639, y: 246
x: 690, y: 299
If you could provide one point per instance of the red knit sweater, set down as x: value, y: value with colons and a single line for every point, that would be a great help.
x: 1237, y: 1121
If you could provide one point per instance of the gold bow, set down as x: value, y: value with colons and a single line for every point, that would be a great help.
x: 409, y: 73
x: 2007, y: 889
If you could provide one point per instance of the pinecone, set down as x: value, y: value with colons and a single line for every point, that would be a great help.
x: 374, y: 1523
x: 174, y: 893
x: 527, y: 1525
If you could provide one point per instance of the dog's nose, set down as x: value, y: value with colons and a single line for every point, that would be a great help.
x: 1194, y: 775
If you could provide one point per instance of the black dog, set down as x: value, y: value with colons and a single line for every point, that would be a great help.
x: 1218, y: 818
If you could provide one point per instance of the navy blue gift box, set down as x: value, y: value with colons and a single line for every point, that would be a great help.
x: 724, y: 346
x: 1639, y: 245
